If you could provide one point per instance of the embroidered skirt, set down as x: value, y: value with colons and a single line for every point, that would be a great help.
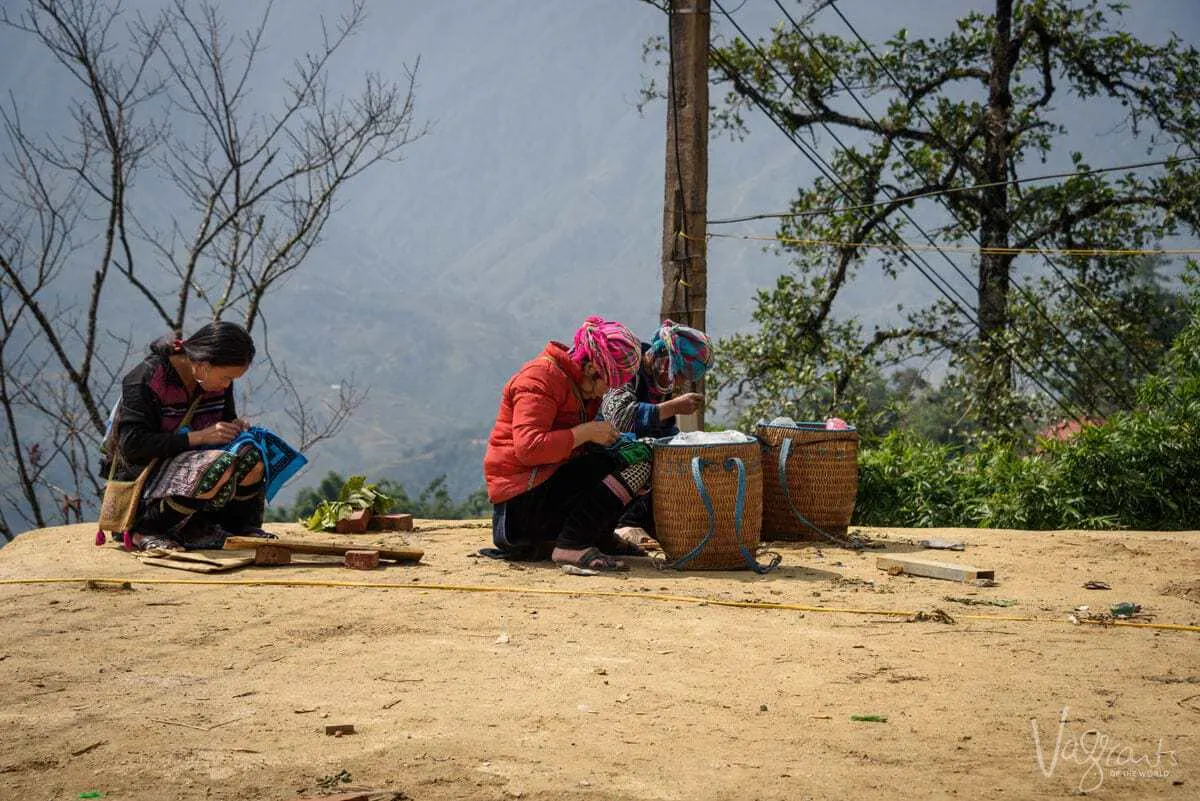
x: 194, y: 473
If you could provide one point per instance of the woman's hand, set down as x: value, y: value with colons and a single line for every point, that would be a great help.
x: 217, y: 434
x: 688, y: 403
x: 600, y: 432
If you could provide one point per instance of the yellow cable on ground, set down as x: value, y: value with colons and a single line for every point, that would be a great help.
x: 691, y: 599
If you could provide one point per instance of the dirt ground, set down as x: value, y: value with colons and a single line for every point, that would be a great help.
x: 467, y: 678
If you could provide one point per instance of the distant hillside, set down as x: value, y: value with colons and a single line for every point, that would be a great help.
x: 535, y: 200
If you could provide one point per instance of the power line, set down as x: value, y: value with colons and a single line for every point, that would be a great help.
x: 1029, y: 297
x: 826, y: 171
x: 926, y: 269
x: 1014, y: 251
x: 824, y: 167
x: 943, y: 287
x: 949, y: 191
x: 933, y: 129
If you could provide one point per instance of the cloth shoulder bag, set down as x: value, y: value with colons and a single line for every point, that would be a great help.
x: 119, y: 505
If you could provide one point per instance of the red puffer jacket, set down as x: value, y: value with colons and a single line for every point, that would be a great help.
x: 532, y: 435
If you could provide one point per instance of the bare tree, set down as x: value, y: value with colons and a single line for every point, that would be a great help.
x: 229, y: 199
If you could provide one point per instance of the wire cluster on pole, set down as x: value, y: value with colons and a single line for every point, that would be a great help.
x: 682, y: 241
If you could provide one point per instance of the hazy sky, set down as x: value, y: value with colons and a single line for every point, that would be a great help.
x: 532, y: 110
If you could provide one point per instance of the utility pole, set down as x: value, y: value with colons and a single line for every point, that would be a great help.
x: 685, y: 207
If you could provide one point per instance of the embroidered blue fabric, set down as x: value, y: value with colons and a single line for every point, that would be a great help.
x: 280, y: 460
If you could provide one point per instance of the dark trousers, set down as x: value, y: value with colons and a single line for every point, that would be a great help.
x: 572, y: 509
x: 639, y: 514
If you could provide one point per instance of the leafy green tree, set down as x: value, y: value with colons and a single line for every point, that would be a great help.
x: 920, y: 120
x: 1148, y: 312
x: 435, y: 501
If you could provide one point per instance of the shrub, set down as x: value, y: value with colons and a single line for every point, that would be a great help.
x: 1139, y: 469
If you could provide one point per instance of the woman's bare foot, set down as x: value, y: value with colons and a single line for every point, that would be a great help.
x: 625, y: 542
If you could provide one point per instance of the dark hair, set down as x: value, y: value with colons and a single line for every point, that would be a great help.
x: 219, y: 343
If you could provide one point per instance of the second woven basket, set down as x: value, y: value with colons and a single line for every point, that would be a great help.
x: 810, y: 481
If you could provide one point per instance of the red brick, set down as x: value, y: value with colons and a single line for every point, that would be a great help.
x: 272, y: 555
x: 356, y: 523
x: 362, y: 560
x: 398, y: 522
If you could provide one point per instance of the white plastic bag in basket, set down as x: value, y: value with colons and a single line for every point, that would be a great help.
x: 710, y: 438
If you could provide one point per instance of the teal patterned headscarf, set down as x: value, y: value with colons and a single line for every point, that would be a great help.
x: 688, y: 351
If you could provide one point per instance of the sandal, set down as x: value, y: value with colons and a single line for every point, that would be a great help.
x: 595, y: 559
x: 155, y: 542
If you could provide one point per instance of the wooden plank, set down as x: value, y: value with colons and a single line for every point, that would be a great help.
x: 194, y: 556
x: 359, y: 795
x: 931, y: 569
x: 199, y: 567
x: 401, y: 554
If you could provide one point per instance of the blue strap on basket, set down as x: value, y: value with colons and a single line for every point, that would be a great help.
x: 731, y: 463
x: 785, y: 450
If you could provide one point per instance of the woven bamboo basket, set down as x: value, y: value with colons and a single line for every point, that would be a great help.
x: 810, y: 481
x: 708, y: 504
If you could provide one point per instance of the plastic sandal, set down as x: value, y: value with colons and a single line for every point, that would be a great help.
x: 595, y: 559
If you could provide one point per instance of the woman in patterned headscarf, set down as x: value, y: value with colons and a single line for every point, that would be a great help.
x: 177, y: 415
x: 645, y: 407
x: 558, y: 478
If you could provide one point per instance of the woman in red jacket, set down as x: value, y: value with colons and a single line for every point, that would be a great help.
x: 556, y: 476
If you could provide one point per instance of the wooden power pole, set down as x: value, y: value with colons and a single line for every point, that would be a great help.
x: 685, y: 207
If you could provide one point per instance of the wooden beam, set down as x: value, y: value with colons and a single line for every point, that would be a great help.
x: 401, y: 554
x: 931, y: 569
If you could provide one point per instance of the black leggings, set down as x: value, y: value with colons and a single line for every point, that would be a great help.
x: 576, y: 508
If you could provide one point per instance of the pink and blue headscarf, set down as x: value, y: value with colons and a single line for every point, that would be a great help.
x: 687, y: 350
x: 610, y: 346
